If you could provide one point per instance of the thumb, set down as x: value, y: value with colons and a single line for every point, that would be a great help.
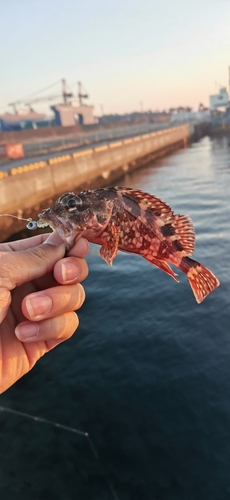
x: 23, y: 266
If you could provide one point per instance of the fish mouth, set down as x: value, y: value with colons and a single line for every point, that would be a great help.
x: 66, y: 231
x: 42, y: 223
x: 48, y: 218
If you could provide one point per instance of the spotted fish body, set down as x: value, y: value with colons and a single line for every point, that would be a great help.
x: 130, y: 220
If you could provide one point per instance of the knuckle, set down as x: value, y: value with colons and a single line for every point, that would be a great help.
x: 81, y: 265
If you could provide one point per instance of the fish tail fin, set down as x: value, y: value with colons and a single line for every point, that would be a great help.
x: 201, y: 279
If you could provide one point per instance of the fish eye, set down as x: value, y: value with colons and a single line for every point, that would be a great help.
x: 72, y: 203
x: 70, y: 200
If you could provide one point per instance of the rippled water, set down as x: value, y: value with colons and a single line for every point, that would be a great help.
x: 147, y: 374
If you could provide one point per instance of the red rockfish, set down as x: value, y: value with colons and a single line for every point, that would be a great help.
x: 130, y: 220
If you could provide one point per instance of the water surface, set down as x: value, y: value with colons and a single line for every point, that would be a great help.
x: 148, y: 372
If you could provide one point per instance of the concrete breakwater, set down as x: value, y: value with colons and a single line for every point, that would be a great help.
x: 30, y: 188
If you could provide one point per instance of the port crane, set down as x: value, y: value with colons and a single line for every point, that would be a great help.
x: 65, y: 95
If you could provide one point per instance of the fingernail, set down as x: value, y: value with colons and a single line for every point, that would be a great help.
x: 26, y: 331
x: 69, y: 271
x: 38, y: 305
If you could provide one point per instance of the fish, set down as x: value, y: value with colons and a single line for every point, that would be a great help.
x: 133, y: 221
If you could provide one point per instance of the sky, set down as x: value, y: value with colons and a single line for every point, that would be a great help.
x: 129, y: 54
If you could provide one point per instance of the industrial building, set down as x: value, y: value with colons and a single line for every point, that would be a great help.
x: 67, y: 115
x: 23, y: 119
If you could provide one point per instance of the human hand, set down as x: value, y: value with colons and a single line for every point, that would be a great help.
x: 39, y: 290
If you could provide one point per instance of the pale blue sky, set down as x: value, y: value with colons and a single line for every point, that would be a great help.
x: 163, y: 53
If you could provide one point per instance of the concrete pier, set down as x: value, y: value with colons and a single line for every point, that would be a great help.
x: 28, y: 189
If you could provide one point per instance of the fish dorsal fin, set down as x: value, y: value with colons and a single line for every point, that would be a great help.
x: 177, y: 227
x: 184, y: 231
x: 147, y: 201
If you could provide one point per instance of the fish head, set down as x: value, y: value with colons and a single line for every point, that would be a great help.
x: 75, y: 215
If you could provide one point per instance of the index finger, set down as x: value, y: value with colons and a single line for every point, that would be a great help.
x: 14, y: 246
x: 53, y: 238
x: 80, y: 248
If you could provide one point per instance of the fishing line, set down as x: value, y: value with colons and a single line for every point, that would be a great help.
x: 68, y: 429
x: 32, y: 224
x: 16, y: 217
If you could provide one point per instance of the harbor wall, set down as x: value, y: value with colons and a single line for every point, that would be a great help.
x: 30, y: 188
x: 43, y: 133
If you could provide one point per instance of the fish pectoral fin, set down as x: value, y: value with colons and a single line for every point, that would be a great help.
x: 162, y: 265
x: 109, y: 247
